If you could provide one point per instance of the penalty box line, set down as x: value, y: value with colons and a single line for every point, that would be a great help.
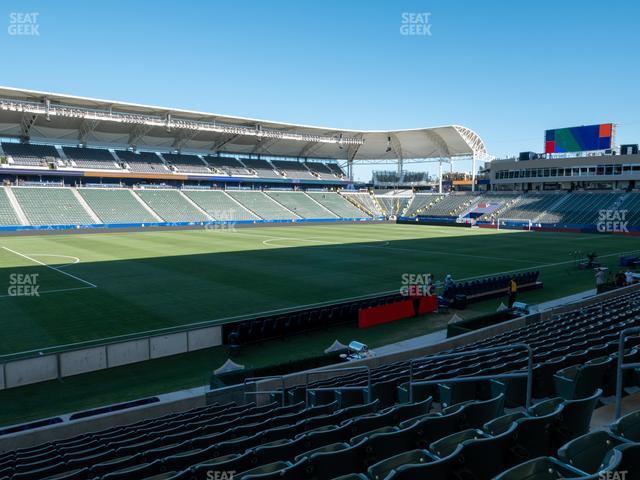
x: 89, y: 284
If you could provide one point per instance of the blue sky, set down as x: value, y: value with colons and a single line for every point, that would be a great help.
x: 508, y: 70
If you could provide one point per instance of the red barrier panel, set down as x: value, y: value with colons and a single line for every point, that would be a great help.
x: 368, y: 317
x: 427, y: 304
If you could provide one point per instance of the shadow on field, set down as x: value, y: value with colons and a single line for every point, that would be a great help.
x: 139, y: 294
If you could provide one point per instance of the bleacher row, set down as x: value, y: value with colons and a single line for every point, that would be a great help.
x: 477, y: 430
x: 544, y: 208
x: 52, y: 206
x: 86, y: 206
x: 571, y: 339
x: 85, y: 158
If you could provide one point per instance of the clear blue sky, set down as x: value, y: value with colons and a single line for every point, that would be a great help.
x: 507, y: 70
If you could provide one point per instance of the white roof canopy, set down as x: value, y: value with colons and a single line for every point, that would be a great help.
x: 43, y: 116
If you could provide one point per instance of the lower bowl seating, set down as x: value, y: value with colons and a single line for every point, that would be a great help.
x: 362, y: 424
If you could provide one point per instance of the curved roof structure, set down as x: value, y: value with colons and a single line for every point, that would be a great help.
x: 44, y: 116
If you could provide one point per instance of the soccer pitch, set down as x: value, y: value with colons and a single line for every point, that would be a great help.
x: 100, y: 285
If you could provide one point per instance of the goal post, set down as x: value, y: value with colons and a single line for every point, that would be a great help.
x: 514, y: 224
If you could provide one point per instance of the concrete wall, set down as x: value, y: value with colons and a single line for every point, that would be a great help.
x: 82, y: 361
x: 168, y: 345
x: 30, y: 370
x: 128, y: 352
x: 36, y: 369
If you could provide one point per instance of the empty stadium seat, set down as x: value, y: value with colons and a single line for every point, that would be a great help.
x: 582, y: 380
x: 628, y: 427
x: 542, y: 468
x: 588, y: 452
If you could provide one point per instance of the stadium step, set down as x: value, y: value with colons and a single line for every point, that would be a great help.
x: 553, y: 207
x: 605, y: 414
x: 332, y: 215
x: 284, y: 206
x: 195, y: 205
x: 16, y: 206
x: 146, y: 207
x: 86, y: 206
x: 241, y: 205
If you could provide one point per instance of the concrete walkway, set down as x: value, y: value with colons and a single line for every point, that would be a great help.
x: 561, y: 302
x: 411, y: 343
x: 605, y: 415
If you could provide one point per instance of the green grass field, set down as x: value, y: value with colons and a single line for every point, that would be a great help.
x: 160, y: 279
x: 151, y: 280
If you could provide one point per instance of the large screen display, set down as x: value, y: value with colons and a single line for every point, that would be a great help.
x: 579, y: 139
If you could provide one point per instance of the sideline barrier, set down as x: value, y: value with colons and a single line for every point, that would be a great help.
x: 427, y: 304
x: 632, y: 230
x: 371, y: 316
x: 209, y: 223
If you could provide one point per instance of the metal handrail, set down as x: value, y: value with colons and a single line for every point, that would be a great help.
x: 255, y: 380
x: 528, y: 373
x: 331, y: 370
x: 623, y: 366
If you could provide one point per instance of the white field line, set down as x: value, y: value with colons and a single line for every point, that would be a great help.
x: 220, y: 321
x: 63, y: 265
x: 223, y: 320
x: 383, y: 244
x: 52, y: 268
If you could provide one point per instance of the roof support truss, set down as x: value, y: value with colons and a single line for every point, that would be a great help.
x: 26, y: 122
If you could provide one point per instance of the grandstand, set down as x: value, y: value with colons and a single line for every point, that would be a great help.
x: 335, y: 168
x: 529, y: 206
x: 172, y: 206
x: 450, y: 205
x: 260, y: 168
x: 8, y: 215
x: 219, y: 205
x: 630, y: 203
x: 186, y: 163
x: 337, y: 204
x: 139, y: 311
x: 301, y: 204
x: 293, y: 169
x: 397, y: 420
x: 325, y: 171
x: 90, y: 158
x: 30, y: 155
x: 262, y: 205
x: 51, y: 206
x: 227, y: 165
x: 393, y: 205
x: 145, y: 162
x: 366, y: 202
x: 120, y: 205
x: 113, y: 205
x: 578, y: 208
x: 419, y: 202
